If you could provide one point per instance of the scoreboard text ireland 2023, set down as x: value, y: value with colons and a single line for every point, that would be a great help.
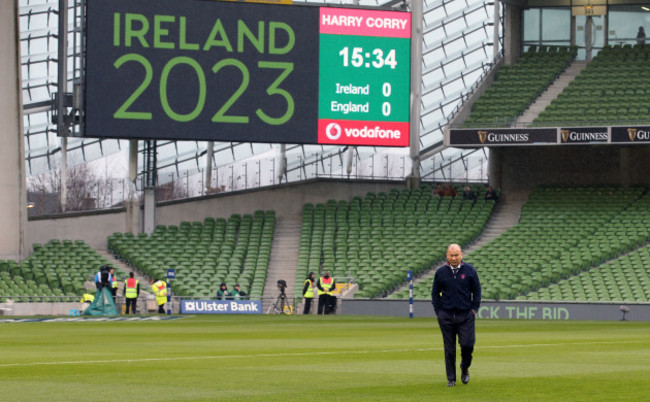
x: 204, y: 70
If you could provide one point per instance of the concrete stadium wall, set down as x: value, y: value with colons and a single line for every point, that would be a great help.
x: 287, y: 200
x: 513, y: 32
x: 505, y: 310
x: 13, y: 212
x: 40, y: 309
x: 93, y: 228
x: 523, y: 168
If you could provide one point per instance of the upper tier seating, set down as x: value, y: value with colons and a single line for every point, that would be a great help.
x: 204, y: 254
x: 378, y: 238
x: 613, y: 89
x: 517, y: 86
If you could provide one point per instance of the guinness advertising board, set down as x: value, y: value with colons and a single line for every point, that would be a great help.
x: 583, y: 135
x: 631, y: 135
x: 503, y: 137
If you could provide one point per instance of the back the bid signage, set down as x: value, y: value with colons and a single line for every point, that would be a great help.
x: 221, y: 307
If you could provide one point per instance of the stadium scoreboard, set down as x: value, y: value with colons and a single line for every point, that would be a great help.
x: 204, y: 70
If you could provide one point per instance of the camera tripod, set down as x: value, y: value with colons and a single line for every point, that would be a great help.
x: 281, y: 306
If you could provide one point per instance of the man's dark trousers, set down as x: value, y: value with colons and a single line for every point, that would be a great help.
x: 308, y: 301
x: 323, y: 301
x: 457, y: 323
x: 131, y: 303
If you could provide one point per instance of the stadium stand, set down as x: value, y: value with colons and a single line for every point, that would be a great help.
x: 624, y: 279
x: 376, y: 239
x: 204, y: 254
x: 562, y: 232
x: 56, y: 269
x: 517, y: 86
x: 613, y: 88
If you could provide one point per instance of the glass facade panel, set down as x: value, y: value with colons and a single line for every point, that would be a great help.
x: 624, y: 24
x: 556, y: 26
x: 532, y: 33
x: 547, y: 26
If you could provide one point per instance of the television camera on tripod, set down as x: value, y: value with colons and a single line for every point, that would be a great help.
x: 281, y: 305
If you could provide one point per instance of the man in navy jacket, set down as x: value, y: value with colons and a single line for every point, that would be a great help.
x: 456, y: 298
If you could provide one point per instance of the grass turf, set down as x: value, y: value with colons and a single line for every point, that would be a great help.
x: 280, y: 358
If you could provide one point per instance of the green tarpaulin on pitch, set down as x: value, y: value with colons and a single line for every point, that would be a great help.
x: 103, y: 304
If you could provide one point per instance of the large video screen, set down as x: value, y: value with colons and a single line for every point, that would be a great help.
x: 207, y: 70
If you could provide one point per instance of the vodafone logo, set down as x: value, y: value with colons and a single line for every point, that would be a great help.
x: 353, y: 132
x: 333, y: 131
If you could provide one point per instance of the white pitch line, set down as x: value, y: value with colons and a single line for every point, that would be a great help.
x: 341, y: 352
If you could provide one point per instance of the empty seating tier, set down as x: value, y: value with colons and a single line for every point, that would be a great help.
x: 204, y: 254
x: 626, y: 279
x: 562, y: 232
x: 613, y: 89
x: 376, y: 239
x: 55, y: 271
x: 517, y: 86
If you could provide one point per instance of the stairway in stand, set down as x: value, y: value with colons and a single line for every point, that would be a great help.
x: 506, y: 214
x: 284, y: 259
x: 552, y: 92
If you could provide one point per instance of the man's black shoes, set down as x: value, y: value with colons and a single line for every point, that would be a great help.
x: 464, y: 377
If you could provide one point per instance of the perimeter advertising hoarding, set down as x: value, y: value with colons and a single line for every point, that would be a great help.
x: 505, y: 310
x: 502, y: 137
x: 584, y: 135
x: 221, y: 307
x: 631, y: 135
x: 203, y: 70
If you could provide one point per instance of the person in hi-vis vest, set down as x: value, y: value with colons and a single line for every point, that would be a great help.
x: 326, y: 285
x: 131, y: 293
x: 308, y: 292
x: 160, y: 291
x: 115, y: 284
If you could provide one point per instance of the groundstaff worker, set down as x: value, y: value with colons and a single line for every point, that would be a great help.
x: 131, y: 293
x: 160, y: 290
x: 456, y: 298
x: 326, y: 285
x: 308, y: 292
x: 114, y: 284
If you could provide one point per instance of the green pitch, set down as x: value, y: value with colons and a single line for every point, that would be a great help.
x: 280, y: 358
